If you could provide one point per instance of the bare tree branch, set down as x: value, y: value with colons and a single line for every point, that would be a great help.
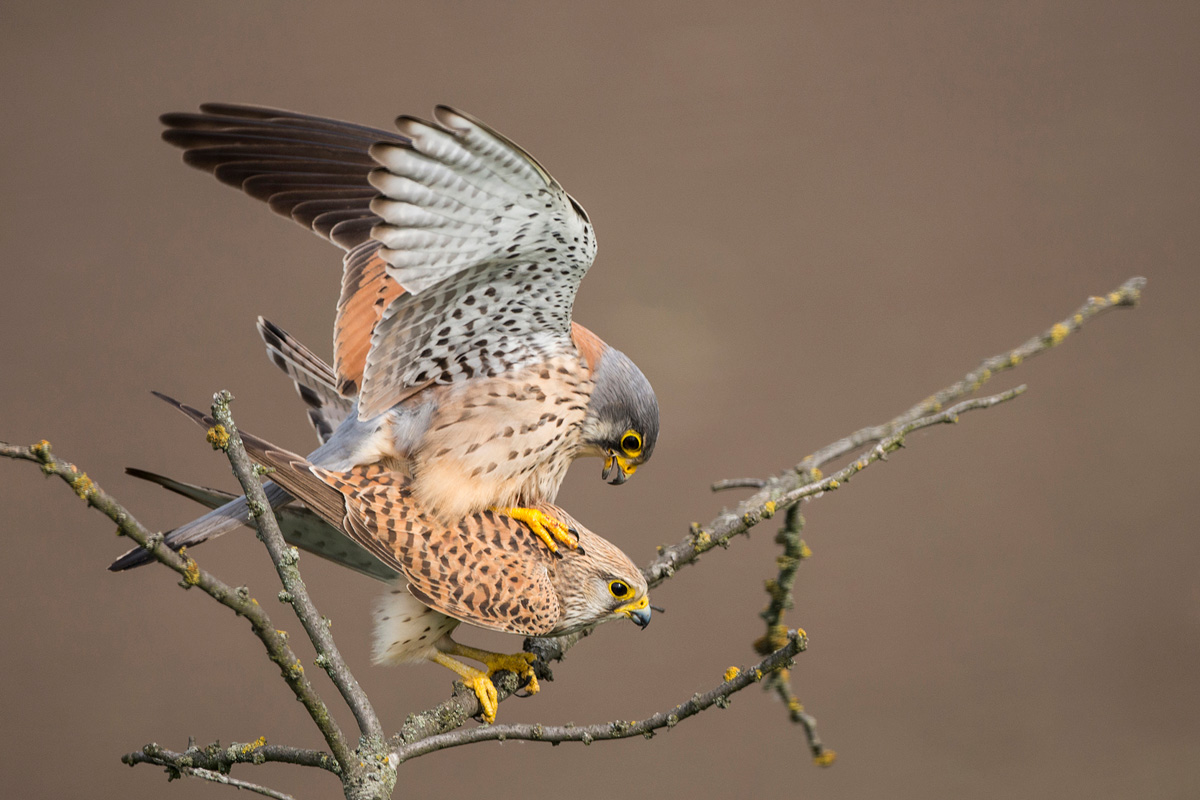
x: 370, y: 770
x: 239, y: 600
x: 735, y: 681
x: 780, y: 591
x: 285, y: 558
x: 216, y: 758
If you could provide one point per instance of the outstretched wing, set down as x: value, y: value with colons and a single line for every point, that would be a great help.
x: 489, y: 247
x: 463, y: 254
x: 311, y: 169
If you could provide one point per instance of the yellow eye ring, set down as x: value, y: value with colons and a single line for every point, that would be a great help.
x: 619, y: 589
x: 631, y: 443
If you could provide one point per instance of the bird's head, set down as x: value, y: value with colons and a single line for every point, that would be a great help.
x: 621, y: 425
x: 601, y: 584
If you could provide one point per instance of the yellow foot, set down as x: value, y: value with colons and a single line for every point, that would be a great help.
x: 543, y: 526
x: 476, y: 681
x: 520, y: 664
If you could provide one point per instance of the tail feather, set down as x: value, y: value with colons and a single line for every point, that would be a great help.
x: 302, y: 527
x: 221, y: 520
x: 213, y: 498
x: 314, y: 379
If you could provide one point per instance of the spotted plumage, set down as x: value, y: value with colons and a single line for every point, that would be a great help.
x: 486, y: 569
x: 454, y: 348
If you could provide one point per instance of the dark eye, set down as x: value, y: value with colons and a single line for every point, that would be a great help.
x: 619, y: 589
x: 631, y: 442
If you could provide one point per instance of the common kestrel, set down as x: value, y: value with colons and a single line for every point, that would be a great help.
x: 486, y: 569
x: 453, y: 336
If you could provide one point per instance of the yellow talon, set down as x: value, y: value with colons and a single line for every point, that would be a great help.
x: 481, y: 682
x: 485, y: 691
x: 542, y: 525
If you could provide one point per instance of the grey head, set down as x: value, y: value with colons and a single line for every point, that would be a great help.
x: 622, y: 417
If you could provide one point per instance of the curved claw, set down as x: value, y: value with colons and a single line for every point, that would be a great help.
x: 520, y: 664
x: 485, y: 692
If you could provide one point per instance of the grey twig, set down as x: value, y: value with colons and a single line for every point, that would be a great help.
x: 217, y: 777
x: 779, y: 589
x: 790, y: 488
x: 285, y: 558
x: 239, y: 600
x: 1126, y: 295
x: 735, y: 681
x: 739, y: 483
x: 216, y: 758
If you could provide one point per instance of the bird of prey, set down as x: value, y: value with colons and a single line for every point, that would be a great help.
x: 453, y: 337
x: 486, y: 569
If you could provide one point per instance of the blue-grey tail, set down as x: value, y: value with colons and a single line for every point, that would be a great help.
x: 221, y: 520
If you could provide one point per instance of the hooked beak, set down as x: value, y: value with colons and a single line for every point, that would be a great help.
x: 617, y: 469
x: 638, y: 611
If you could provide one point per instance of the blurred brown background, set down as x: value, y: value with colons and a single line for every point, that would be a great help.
x: 810, y: 217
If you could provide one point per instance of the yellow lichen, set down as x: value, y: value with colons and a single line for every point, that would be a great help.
x: 816, y: 473
x: 41, y: 449
x: 1015, y: 358
x: 83, y: 486
x: 794, y: 706
x: 702, y: 540
x: 805, y: 550
x: 825, y: 759
x: 257, y: 743
x: 732, y: 673
x: 1114, y: 297
x: 1058, y: 333
x: 1078, y: 319
x: 191, y: 570
x: 769, y: 508
x: 218, y: 437
x: 834, y: 484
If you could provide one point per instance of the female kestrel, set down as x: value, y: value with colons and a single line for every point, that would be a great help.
x: 453, y: 334
x: 485, y: 569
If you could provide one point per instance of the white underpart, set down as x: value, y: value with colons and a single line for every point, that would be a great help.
x: 406, y: 631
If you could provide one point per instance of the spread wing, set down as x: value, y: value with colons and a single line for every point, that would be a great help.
x: 489, y: 247
x: 463, y: 254
x: 311, y: 169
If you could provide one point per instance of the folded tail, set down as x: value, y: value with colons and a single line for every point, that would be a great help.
x: 300, y: 526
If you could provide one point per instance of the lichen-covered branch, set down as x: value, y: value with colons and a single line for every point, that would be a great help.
x: 216, y: 758
x: 735, y: 681
x: 1126, y: 295
x: 788, y: 489
x: 370, y: 770
x: 284, y: 557
x: 779, y: 589
x: 239, y: 600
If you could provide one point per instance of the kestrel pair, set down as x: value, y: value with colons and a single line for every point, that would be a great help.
x: 460, y: 387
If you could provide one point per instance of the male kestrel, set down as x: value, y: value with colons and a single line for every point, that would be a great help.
x: 453, y: 334
x: 486, y: 569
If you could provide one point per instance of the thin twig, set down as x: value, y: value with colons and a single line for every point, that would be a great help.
x: 1126, y: 295
x: 774, y: 496
x: 779, y: 589
x: 239, y: 600
x: 736, y: 680
x: 220, y: 759
x: 739, y: 483
x: 217, y: 777
x: 285, y: 557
